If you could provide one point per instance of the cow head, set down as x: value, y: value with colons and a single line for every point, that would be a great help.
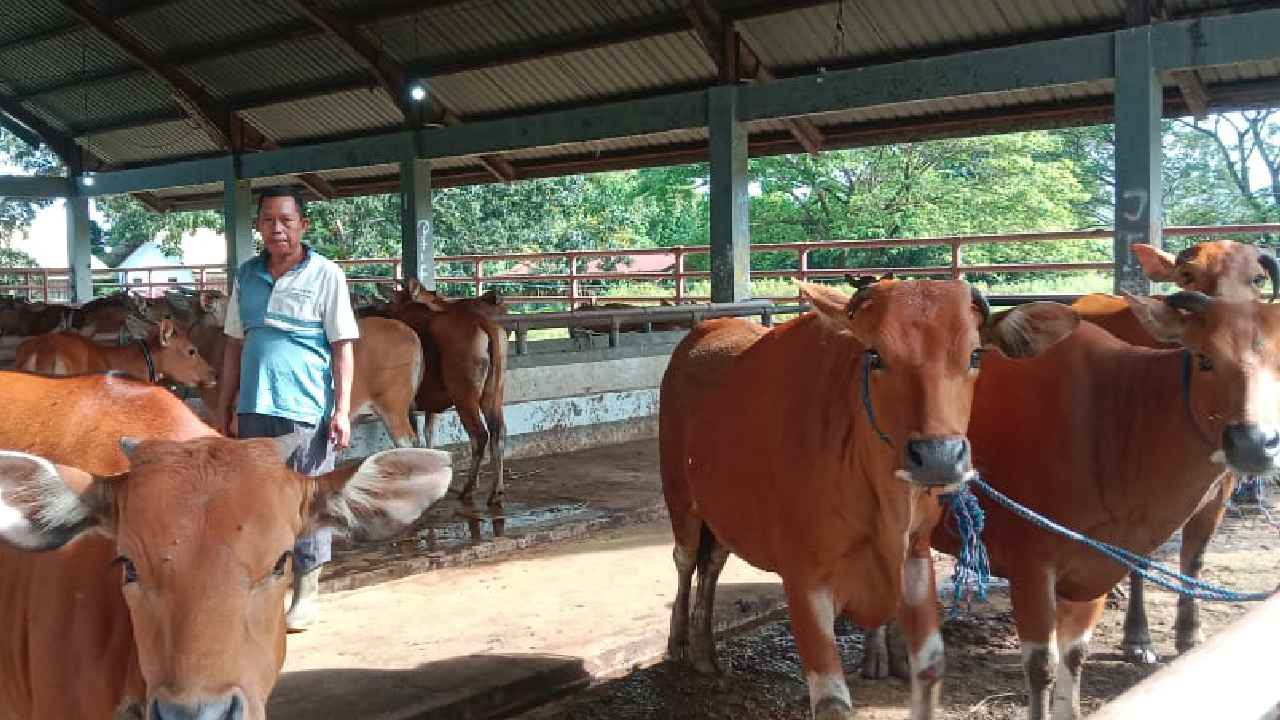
x: 177, y: 358
x: 921, y: 350
x: 1221, y: 268
x: 204, y: 531
x: 1233, y: 386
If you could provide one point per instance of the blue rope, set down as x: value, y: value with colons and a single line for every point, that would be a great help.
x: 972, y: 572
x: 1147, y: 568
x: 1250, y: 490
x: 869, y: 359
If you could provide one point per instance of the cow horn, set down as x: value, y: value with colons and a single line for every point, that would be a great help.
x: 1268, y: 263
x: 1189, y: 300
x: 980, y: 300
x: 128, y: 445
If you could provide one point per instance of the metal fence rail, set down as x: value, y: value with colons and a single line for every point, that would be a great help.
x: 571, y: 270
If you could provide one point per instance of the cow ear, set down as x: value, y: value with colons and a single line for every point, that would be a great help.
x: 830, y: 304
x: 44, y: 506
x: 1163, y: 322
x: 1030, y: 329
x: 383, y: 494
x: 1157, y: 264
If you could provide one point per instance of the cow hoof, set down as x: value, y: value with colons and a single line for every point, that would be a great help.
x: 832, y: 709
x: 1141, y: 654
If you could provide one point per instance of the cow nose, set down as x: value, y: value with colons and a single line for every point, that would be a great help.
x: 935, y: 461
x: 1251, y: 447
x: 230, y: 707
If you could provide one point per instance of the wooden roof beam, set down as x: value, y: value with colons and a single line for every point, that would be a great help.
x: 735, y: 58
x: 203, y: 108
x: 1193, y: 92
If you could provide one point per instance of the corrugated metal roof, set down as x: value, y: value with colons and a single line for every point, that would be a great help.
x: 24, y: 18
x: 172, y: 27
x: 311, y: 58
x: 790, y: 41
x: 153, y: 142
x: 590, y: 75
x: 326, y: 116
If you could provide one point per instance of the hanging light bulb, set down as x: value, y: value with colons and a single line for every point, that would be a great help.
x: 87, y: 179
x: 417, y: 91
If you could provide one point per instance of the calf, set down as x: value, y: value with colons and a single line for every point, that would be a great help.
x: 814, y: 450
x: 166, y: 353
x: 150, y: 582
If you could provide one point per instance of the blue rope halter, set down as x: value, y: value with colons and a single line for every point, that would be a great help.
x: 972, y: 571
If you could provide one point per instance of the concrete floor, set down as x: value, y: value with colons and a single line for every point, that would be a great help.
x: 481, y: 641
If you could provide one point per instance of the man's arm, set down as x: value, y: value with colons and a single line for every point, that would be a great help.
x: 226, y: 411
x: 342, y: 366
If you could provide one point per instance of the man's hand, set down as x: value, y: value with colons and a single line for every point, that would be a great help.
x: 340, y: 430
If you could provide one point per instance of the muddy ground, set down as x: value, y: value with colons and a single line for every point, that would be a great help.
x: 764, y: 679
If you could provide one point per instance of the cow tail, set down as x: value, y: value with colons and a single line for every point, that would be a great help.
x: 497, y: 360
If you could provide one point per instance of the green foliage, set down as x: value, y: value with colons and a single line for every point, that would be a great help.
x: 128, y: 224
x: 16, y: 214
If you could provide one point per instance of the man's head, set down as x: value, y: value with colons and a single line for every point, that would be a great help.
x: 282, y: 220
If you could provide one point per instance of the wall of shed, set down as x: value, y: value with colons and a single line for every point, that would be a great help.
x: 560, y: 402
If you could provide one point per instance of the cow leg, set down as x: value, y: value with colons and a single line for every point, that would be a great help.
x: 813, y: 618
x: 1035, y: 616
x: 920, y: 626
x: 1137, y: 646
x: 884, y: 653
x: 428, y: 429
x: 1196, y: 534
x: 687, y: 532
x: 712, y: 556
x: 395, y: 418
x: 497, y: 449
x: 470, y: 417
x: 1075, y: 627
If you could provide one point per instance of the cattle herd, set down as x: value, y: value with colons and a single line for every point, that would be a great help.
x: 144, y: 558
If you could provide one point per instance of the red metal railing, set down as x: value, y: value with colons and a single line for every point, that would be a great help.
x: 572, y: 269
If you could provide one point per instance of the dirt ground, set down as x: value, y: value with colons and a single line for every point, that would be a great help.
x: 764, y: 678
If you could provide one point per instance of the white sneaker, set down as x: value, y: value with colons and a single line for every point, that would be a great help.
x: 305, y: 609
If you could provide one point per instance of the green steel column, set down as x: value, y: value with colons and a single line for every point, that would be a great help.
x: 237, y: 219
x: 730, y: 203
x: 417, y: 241
x: 1139, y: 101
x: 79, y: 250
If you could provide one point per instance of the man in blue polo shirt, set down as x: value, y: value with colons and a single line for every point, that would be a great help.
x: 288, y: 360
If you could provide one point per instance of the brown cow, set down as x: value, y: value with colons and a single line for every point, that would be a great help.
x: 187, y: 620
x: 488, y: 303
x: 466, y: 356
x: 1219, y: 268
x: 109, y: 314
x: 166, y: 353
x: 1101, y: 436
x: 26, y: 319
x: 773, y: 450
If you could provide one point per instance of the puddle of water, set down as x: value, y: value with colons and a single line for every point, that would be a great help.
x: 451, y: 525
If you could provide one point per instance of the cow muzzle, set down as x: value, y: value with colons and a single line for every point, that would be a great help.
x: 1251, y: 448
x: 937, y: 462
x: 229, y: 707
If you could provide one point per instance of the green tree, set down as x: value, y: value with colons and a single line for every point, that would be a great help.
x: 16, y: 214
x: 128, y: 224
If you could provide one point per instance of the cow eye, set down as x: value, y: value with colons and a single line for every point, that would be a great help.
x: 282, y: 565
x: 975, y: 359
x: 1206, y: 363
x: 873, y: 360
x: 1259, y: 280
x: 191, y: 352
x: 130, y: 572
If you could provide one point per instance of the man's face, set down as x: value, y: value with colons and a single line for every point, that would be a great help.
x: 281, y: 226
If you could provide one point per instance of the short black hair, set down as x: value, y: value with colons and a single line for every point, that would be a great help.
x: 279, y: 191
